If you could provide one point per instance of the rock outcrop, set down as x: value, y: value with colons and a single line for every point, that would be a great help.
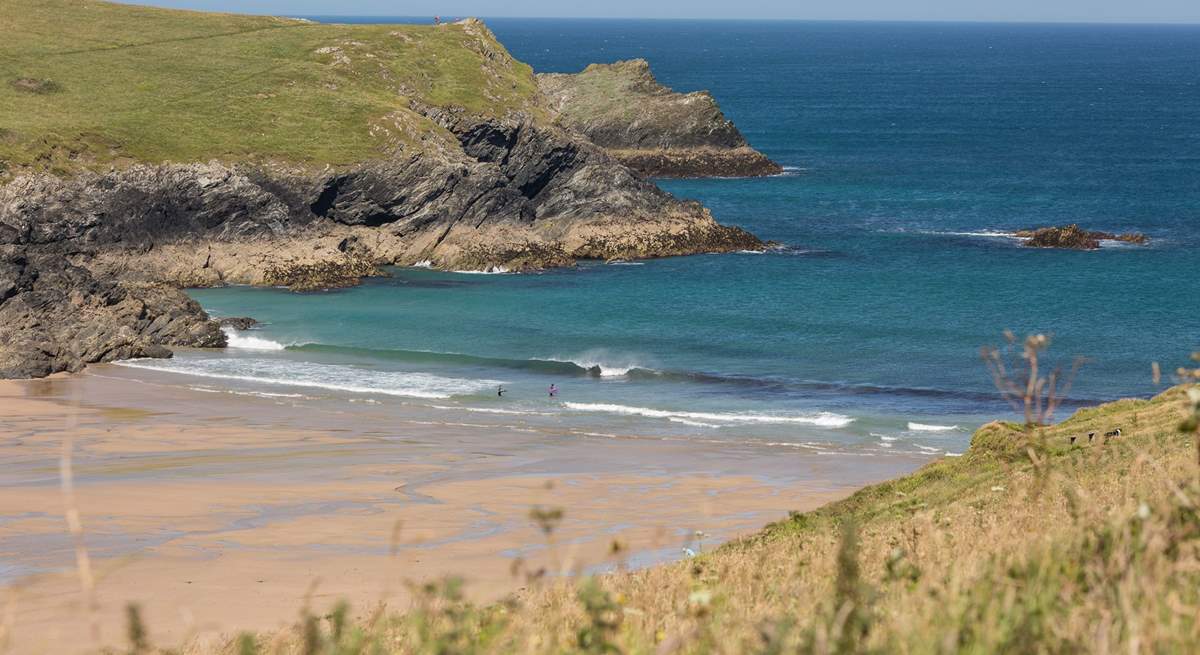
x: 650, y: 128
x: 237, y: 322
x: 421, y: 145
x: 93, y: 261
x: 56, y: 316
x: 1075, y: 238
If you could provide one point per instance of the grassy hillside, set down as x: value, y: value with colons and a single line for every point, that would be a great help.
x: 95, y: 83
x: 1027, y: 543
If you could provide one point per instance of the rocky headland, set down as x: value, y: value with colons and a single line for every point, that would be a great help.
x: 650, y: 128
x: 100, y: 231
x: 1074, y: 237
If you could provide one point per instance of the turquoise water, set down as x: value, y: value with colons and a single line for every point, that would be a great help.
x: 911, y: 150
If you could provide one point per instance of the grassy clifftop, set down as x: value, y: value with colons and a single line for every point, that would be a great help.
x: 1027, y: 543
x: 94, y: 83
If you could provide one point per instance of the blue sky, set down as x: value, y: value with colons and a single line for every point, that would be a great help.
x: 1168, y: 11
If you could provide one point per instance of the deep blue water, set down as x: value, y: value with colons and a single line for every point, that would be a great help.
x: 908, y: 146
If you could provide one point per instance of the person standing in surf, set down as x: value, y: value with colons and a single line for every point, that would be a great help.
x: 553, y: 390
x: 500, y: 391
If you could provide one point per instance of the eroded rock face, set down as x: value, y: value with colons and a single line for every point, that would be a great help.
x: 650, y: 128
x: 56, y: 316
x: 92, y: 261
x: 1075, y: 238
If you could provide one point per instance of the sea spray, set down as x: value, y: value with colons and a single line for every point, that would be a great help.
x: 239, y: 340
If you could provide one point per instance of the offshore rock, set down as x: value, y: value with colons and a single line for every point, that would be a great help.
x: 1075, y: 238
x: 237, y: 322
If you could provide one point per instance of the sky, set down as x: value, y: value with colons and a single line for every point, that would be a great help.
x: 1106, y: 11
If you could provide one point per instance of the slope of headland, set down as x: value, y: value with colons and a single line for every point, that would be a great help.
x: 1058, y: 539
x: 153, y: 148
x: 649, y: 127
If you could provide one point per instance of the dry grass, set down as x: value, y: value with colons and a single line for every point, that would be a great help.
x: 1028, y: 543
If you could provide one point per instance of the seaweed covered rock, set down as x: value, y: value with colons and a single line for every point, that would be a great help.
x: 1075, y: 238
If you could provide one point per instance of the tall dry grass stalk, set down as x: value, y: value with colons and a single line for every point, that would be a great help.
x: 1191, y: 423
x: 83, y: 563
x: 9, y: 619
x: 1017, y: 371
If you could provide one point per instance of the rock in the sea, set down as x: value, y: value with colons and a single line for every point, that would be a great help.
x: 650, y: 128
x: 1074, y: 237
x: 237, y: 322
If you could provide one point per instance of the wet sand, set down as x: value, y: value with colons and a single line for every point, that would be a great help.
x: 217, y: 513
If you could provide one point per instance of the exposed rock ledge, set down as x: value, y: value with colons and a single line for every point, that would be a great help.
x: 650, y: 128
x: 1075, y: 237
x: 90, y: 265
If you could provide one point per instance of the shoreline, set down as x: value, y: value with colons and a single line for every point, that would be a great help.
x: 189, y: 500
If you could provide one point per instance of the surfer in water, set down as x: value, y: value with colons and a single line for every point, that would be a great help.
x: 500, y: 391
x: 553, y: 390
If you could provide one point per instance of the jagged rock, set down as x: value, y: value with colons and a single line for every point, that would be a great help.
x: 650, y: 128
x: 1074, y: 237
x: 91, y: 258
x: 56, y: 316
x: 237, y: 322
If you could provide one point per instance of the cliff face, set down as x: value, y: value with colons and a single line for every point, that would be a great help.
x: 647, y: 126
x: 454, y: 163
x: 88, y: 255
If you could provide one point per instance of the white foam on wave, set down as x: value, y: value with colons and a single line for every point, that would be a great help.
x: 256, y: 394
x: 489, y: 410
x: 606, y: 370
x: 789, y: 171
x: 924, y: 427
x: 821, y: 419
x: 347, y: 379
x: 610, y: 366
x: 694, y: 424
x: 990, y: 234
x: 491, y: 270
x: 241, y: 341
x: 424, y: 263
x: 884, y: 437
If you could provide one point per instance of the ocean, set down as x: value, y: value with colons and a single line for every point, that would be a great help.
x: 912, y: 151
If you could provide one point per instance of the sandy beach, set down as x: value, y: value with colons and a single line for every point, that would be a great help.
x: 216, y: 512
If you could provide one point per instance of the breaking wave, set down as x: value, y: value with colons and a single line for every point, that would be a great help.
x: 820, y: 419
x: 923, y: 427
x: 242, y: 341
x: 290, y: 373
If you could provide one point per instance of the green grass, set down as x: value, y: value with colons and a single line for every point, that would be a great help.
x: 137, y: 84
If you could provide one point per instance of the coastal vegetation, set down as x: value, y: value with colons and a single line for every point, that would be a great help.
x: 1058, y: 539
x: 89, y: 85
